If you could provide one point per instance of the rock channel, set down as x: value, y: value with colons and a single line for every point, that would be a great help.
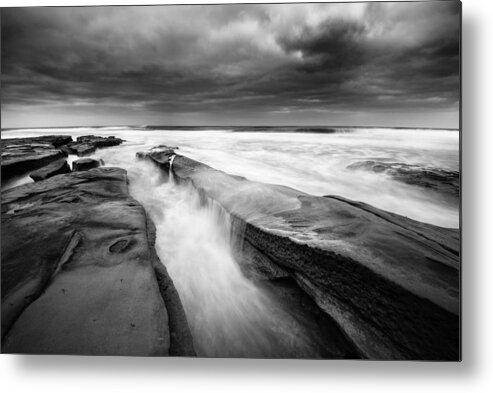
x: 80, y: 274
x: 389, y: 282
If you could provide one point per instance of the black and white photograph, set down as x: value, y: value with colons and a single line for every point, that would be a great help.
x: 261, y: 181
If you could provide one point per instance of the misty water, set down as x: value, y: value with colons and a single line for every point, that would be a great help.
x: 314, y: 163
x: 228, y: 314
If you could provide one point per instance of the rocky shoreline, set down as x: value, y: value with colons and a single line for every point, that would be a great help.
x: 22, y: 155
x: 390, y: 283
x: 80, y: 273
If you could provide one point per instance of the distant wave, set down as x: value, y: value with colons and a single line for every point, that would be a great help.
x: 183, y: 128
x: 310, y: 130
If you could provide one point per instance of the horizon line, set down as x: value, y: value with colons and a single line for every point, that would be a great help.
x: 230, y: 126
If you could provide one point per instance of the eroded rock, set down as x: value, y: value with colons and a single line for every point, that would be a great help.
x: 78, y: 270
x: 163, y: 151
x: 390, y: 283
x: 21, y: 155
x: 84, y: 164
x: 89, y: 143
x: 100, y: 141
x: 442, y: 181
x: 54, y: 140
x: 55, y: 168
x: 81, y: 149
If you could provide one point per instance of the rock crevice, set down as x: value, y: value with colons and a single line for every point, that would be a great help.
x: 378, y: 274
x: 63, y: 291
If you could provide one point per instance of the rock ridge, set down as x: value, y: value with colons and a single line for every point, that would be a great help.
x: 79, y: 271
x: 391, y: 283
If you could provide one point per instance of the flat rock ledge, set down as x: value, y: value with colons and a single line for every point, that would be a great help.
x: 23, y: 155
x: 389, y: 282
x: 80, y: 274
x: 84, y: 164
x: 89, y: 143
x: 55, y: 168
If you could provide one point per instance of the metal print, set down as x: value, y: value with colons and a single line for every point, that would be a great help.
x: 243, y: 180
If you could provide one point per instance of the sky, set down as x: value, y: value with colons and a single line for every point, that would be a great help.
x: 362, y: 64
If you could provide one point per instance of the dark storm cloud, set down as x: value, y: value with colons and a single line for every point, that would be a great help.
x: 334, y: 44
x: 276, y: 61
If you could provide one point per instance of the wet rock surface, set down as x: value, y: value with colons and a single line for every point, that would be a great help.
x: 54, y: 140
x: 161, y: 151
x: 442, y: 181
x: 81, y: 149
x: 100, y: 141
x: 89, y: 143
x: 79, y: 271
x: 55, y: 168
x: 84, y: 164
x: 20, y: 155
x: 330, y: 340
x: 389, y: 282
x: 181, y: 340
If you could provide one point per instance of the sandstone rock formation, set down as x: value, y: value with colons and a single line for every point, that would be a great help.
x: 100, y: 141
x: 89, y: 143
x: 55, y: 168
x: 20, y: 155
x: 390, y: 283
x: 84, y: 164
x: 54, y: 140
x: 80, y: 274
x: 81, y: 149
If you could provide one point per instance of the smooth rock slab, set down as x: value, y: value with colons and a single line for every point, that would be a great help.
x: 55, y: 168
x: 77, y: 269
x: 84, y: 164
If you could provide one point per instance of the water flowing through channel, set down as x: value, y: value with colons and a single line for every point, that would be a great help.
x: 228, y: 314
